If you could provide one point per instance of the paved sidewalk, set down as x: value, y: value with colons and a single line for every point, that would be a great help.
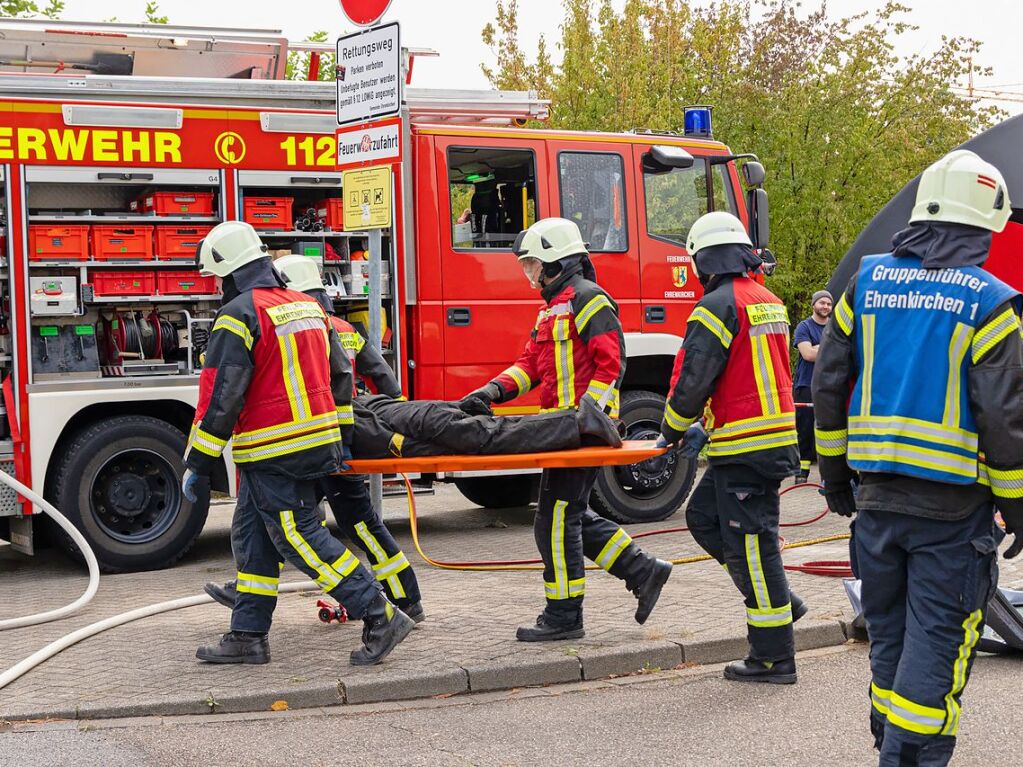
x: 466, y: 644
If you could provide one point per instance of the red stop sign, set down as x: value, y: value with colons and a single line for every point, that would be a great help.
x: 364, y: 12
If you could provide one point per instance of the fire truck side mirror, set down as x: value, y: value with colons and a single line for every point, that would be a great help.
x: 754, y: 174
x: 671, y: 156
x: 759, y: 218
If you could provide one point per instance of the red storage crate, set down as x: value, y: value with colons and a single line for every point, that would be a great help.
x: 120, y: 242
x: 133, y: 283
x: 47, y: 242
x: 269, y: 212
x: 175, y: 204
x: 185, y: 283
x: 178, y: 243
x: 331, y: 213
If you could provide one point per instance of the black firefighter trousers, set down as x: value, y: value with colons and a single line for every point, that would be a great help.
x: 733, y: 514
x: 567, y: 530
x: 926, y: 586
x: 275, y: 519
x: 349, y: 500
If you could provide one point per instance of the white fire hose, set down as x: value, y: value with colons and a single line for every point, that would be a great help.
x: 33, y: 660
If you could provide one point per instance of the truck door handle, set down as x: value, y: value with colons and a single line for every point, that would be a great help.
x: 314, y: 180
x: 124, y: 176
x: 459, y: 317
x: 655, y: 314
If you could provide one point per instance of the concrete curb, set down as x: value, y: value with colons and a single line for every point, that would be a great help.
x: 529, y: 668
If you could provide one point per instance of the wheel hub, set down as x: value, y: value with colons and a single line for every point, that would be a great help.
x: 128, y: 494
x: 650, y: 475
x: 135, y: 496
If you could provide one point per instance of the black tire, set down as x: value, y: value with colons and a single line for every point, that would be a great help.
x: 649, y: 491
x: 500, y: 492
x: 119, y: 482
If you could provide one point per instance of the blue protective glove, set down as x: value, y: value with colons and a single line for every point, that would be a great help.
x: 189, y: 484
x: 346, y: 456
x: 693, y: 441
x: 662, y: 441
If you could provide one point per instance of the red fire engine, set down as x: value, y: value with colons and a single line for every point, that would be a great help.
x: 121, y: 146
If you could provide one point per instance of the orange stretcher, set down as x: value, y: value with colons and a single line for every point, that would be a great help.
x: 631, y: 451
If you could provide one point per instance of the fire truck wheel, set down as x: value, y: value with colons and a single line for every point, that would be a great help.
x: 647, y: 491
x: 500, y: 492
x: 119, y: 482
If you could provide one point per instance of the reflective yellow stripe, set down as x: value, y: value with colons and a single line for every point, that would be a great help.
x: 844, y: 315
x: 831, y: 442
x: 237, y: 327
x: 751, y: 444
x: 345, y: 415
x: 747, y: 426
x: 284, y: 430
x: 912, y: 455
x: 289, y: 365
x: 769, y: 618
x: 756, y: 572
x: 345, y: 564
x: 576, y: 588
x: 879, y: 698
x: 558, y: 551
x: 519, y: 376
x: 676, y: 421
x: 763, y: 373
x: 605, y: 395
x: 286, y: 447
x: 989, y: 336
x: 913, y: 428
x: 957, y: 347
x: 564, y: 363
x: 205, y: 442
x: 613, y: 549
x: 702, y: 315
x: 1004, y: 483
x: 594, y: 305
x: 971, y: 634
x: 385, y: 568
x: 248, y: 583
x: 329, y: 577
x: 868, y: 363
x: 913, y: 717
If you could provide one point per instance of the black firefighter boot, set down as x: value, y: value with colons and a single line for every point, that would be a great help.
x: 237, y: 647
x: 799, y: 608
x: 384, y: 626
x: 649, y: 591
x: 225, y: 595
x: 594, y: 422
x: 749, y: 670
x: 546, y: 631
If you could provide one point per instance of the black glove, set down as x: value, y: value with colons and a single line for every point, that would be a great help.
x: 478, y: 402
x: 840, y: 498
x: 1013, y: 526
x: 693, y: 441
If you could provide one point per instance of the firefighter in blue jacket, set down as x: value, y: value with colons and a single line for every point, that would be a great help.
x: 931, y: 348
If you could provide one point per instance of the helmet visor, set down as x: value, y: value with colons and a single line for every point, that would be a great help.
x: 533, y: 268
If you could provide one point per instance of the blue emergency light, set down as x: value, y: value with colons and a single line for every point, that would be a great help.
x: 697, y: 122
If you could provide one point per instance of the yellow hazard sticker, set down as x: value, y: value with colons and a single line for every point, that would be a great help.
x: 352, y: 341
x: 762, y: 314
x: 300, y: 310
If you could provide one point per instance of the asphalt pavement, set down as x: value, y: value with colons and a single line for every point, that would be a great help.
x: 688, y: 717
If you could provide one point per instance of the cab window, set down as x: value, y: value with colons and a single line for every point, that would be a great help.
x: 675, y: 198
x: 493, y: 195
x: 593, y: 195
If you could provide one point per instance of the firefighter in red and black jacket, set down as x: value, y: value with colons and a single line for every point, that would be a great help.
x: 278, y: 385
x: 576, y: 354
x: 736, y: 355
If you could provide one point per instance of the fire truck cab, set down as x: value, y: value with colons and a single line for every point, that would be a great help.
x: 120, y: 146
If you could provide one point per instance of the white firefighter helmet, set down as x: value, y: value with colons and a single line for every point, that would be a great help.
x: 549, y: 240
x: 227, y: 247
x: 961, y: 188
x: 717, y: 228
x: 300, y: 272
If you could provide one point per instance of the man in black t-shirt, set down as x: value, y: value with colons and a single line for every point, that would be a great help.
x: 807, y: 339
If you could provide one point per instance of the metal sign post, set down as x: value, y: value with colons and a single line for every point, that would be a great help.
x: 376, y: 484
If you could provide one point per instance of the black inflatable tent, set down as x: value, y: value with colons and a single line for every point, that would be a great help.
x: 1002, y: 146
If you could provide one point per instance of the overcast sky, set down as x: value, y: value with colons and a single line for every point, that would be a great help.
x: 452, y: 27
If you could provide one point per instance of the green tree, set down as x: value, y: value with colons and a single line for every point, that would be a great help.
x: 839, y: 120
x: 298, y: 63
x: 153, y: 13
x: 23, y: 8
